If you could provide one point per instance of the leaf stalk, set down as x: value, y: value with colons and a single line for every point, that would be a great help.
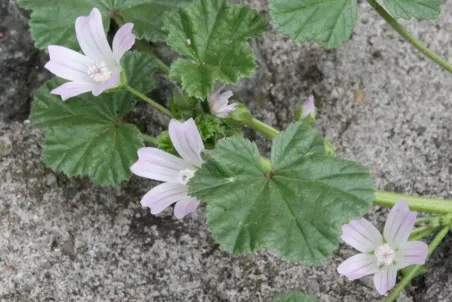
x: 408, y: 37
x: 148, y: 100
x: 416, y: 203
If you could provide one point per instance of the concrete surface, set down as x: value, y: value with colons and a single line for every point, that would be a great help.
x: 380, y: 102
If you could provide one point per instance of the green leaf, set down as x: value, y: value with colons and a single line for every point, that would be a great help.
x: 140, y: 68
x: 328, y: 22
x: 86, y: 135
x: 214, y: 36
x: 420, y: 9
x: 164, y: 143
x: 295, y: 297
x: 148, y: 16
x: 210, y: 127
x: 296, y: 210
x: 53, y: 21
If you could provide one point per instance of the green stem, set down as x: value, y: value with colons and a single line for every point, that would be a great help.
x: 407, y: 36
x: 419, y: 233
x: 416, y: 203
x: 263, y: 128
x: 407, y: 279
x: 149, y: 139
x: 426, y: 219
x: 148, y: 100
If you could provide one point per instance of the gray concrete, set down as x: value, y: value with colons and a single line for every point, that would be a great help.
x: 380, y: 102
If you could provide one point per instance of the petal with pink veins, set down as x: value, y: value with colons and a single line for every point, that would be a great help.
x: 385, y: 280
x: 186, y: 140
x: 92, y: 39
x: 412, y: 252
x: 68, y: 64
x: 163, y: 195
x: 362, y: 235
x: 123, y: 41
x: 69, y: 58
x: 112, y: 82
x: 158, y: 165
x: 358, y: 266
x: 399, y: 224
x: 185, y: 206
x: 71, y: 89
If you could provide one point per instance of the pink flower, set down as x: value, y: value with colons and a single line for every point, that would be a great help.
x: 384, y: 255
x: 308, y: 108
x: 99, y: 69
x: 174, y: 171
x: 218, y: 103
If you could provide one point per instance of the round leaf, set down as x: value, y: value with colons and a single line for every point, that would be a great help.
x: 296, y: 210
x: 328, y: 22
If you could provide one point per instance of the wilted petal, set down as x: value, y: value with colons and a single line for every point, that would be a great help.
x: 112, y: 82
x: 308, y: 107
x: 362, y: 235
x: 413, y: 252
x: 399, y: 224
x: 123, y: 41
x: 158, y: 165
x: 186, y: 140
x: 185, y: 206
x: 71, y: 89
x: 385, y: 280
x: 358, y: 266
x: 163, y: 195
x: 218, y: 103
x: 92, y: 39
x: 226, y: 110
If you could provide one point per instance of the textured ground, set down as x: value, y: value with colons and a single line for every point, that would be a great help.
x: 66, y: 240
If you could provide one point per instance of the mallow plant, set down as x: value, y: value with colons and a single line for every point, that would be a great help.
x: 298, y: 203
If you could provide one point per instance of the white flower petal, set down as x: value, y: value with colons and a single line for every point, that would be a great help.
x: 413, y: 252
x: 163, y: 195
x: 71, y: 89
x: 123, y: 41
x: 385, y: 280
x: 362, y: 235
x: 68, y: 64
x: 358, y: 266
x: 158, y: 165
x: 399, y: 224
x: 185, y: 206
x: 186, y: 140
x: 112, y: 82
x: 92, y: 39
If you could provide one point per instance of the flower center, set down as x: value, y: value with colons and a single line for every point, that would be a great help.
x: 185, y: 175
x: 99, y: 72
x: 385, y: 255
